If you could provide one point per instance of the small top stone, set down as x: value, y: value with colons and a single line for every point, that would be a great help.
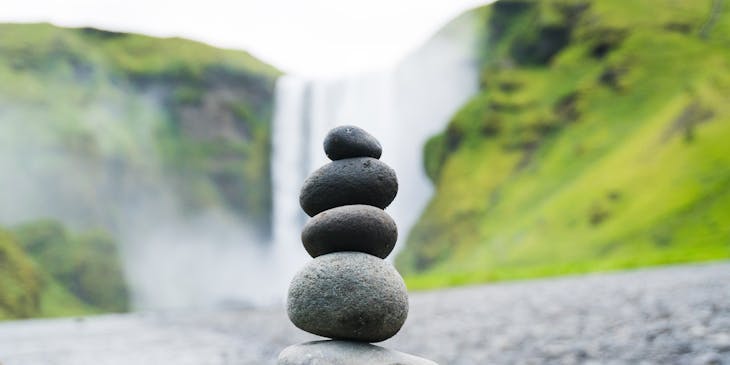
x: 348, y: 141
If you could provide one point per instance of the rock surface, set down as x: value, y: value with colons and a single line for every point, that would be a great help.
x: 345, y: 353
x: 350, y: 141
x: 348, y: 296
x: 668, y: 315
x: 361, y: 228
x: 362, y: 180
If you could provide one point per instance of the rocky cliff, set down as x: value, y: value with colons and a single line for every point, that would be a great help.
x: 113, y: 134
x: 127, y: 109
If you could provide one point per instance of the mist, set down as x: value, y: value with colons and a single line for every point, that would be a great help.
x: 103, y: 170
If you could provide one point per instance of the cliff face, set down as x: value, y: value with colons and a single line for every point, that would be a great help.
x: 129, y: 111
x: 597, y: 141
x: 113, y: 134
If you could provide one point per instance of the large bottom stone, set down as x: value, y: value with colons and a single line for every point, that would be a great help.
x: 348, y: 296
x: 346, y: 353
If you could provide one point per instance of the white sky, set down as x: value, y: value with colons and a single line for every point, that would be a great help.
x: 306, y: 37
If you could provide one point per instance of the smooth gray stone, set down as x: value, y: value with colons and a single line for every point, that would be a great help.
x: 362, y: 180
x: 346, y: 353
x: 348, y: 141
x: 348, y: 296
x: 361, y: 228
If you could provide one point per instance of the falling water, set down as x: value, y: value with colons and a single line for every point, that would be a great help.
x: 402, y: 107
x: 287, y: 168
x: 174, y: 258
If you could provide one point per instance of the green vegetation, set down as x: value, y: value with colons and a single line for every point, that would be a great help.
x: 48, y: 271
x: 87, y: 265
x: 20, y: 281
x: 598, y: 141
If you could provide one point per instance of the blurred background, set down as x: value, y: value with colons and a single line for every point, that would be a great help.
x: 148, y: 161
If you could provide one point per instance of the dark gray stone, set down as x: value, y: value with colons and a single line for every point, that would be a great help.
x: 348, y: 296
x: 361, y: 228
x: 348, y: 141
x: 346, y: 353
x: 362, y: 180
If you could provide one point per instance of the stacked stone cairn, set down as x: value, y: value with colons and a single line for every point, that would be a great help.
x: 348, y: 292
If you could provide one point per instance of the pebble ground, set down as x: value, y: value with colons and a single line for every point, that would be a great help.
x: 672, y: 315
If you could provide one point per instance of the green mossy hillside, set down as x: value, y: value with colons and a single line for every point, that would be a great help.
x: 47, y: 271
x: 598, y: 141
x: 87, y: 265
x: 20, y: 281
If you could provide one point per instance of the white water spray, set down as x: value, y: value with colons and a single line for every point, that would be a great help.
x: 402, y: 107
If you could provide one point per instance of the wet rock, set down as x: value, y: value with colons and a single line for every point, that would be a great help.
x: 350, y: 141
x: 360, y: 228
x: 348, y: 296
x: 345, y: 353
x: 362, y: 180
x: 721, y: 342
x: 709, y: 358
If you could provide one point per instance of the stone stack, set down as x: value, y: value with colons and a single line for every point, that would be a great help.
x: 348, y: 292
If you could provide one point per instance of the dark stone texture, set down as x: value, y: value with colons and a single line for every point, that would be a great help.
x: 345, y: 353
x: 361, y: 228
x: 362, y: 180
x: 348, y: 141
x: 348, y: 296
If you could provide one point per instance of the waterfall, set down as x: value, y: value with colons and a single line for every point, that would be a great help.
x: 402, y: 107
x: 289, y: 150
x: 175, y: 256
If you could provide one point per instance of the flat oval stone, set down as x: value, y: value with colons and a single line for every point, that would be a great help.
x: 348, y: 141
x: 348, y: 296
x: 362, y: 180
x: 345, y: 353
x: 361, y: 228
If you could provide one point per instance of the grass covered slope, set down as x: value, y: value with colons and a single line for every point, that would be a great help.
x: 598, y: 141
x: 47, y: 271
x: 20, y: 280
x: 86, y: 264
